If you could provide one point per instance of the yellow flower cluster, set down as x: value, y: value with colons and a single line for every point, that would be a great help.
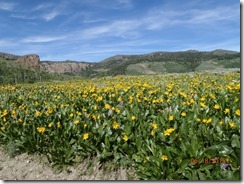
x: 168, y: 131
x: 164, y: 157
x: 41, y: 129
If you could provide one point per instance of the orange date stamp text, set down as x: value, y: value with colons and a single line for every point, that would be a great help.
x: 214, y: 160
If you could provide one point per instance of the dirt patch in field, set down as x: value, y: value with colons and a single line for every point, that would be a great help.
x: 36, y: 167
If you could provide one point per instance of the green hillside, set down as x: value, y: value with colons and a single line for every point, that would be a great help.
x: 165, y: 62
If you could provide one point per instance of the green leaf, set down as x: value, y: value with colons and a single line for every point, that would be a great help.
x: 136, y: 158
x: 19, y: 143
x: 138, y: 144
x: 235, y: 143
x: 200, y: 174
x: 206, y: 167
x: 173, y: 150
x: 236, y: 175
x: 72, y: 141
x: 194, y: 146
x: 226, y: 150
x: 107, y: 143
x: 213, y: 150
x: 106, y: 154
x: 193, y: 175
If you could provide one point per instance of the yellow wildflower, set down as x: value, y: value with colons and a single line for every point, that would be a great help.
x: 164, y: 157
x: 212, y: 96
x: 78, y: 113
x: 227, y: 111
x: 107, y: 106
x: 38, y: 113
x: 202, y: 99
x: 183, y: 114
x: 58, y: 125
x: 119, y: 99
x: 5, y: 112
x: 192, y: 101
x: 171, y: 118
x: 95, y: 107
x: 49, y: 111
x: 50, y: 124
x: 41, y: 129
x: 13, y: 113
x: 85, y: 136
x: 76, y: 121
x: 125, y: 138
x: 237, y: 112
x: 117, y: 111
x: 99, y: 99
x: 216, y: 106
x: 154, y: 125
x: 202, y: 105
x: 160, y: 100
x: 232, y: 124
x: 168, y: 131
x: 133, y: 118
x: 209, y: 121
x: 115, y: 125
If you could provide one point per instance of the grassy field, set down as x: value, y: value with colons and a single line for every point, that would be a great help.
x: 166, y: 127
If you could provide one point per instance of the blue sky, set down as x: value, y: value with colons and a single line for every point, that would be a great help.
x: 92, y: 30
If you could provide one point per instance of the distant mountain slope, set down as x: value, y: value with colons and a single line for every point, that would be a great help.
x: 6, y: 56
x: 165, y: 62
x: 29, y: 67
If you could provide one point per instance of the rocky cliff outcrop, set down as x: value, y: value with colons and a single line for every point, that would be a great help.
x: 64, y: 67
x: 30, y: 61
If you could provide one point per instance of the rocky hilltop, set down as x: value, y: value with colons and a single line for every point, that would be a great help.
x: 30, y: 61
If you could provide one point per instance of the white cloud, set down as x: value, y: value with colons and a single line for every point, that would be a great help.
x: 124, y: 4
x: 7, y: 6
x: 48, y: 11
x: 93, y: 20
x: 159, y: 18
x: 42, y: 39
x: 42, y: 11
x: 118, y: 28
x: 213, y: 15
x: 22, y: 17
x: 51, y: 15
x: 156, y: 19
x: 42, y: 6
x: 7, y: 43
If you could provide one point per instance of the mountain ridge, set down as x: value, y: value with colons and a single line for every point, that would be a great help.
x: 187, y: 61
x: 158, y: 62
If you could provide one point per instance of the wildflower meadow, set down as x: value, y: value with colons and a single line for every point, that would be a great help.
x: 166, y: 127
